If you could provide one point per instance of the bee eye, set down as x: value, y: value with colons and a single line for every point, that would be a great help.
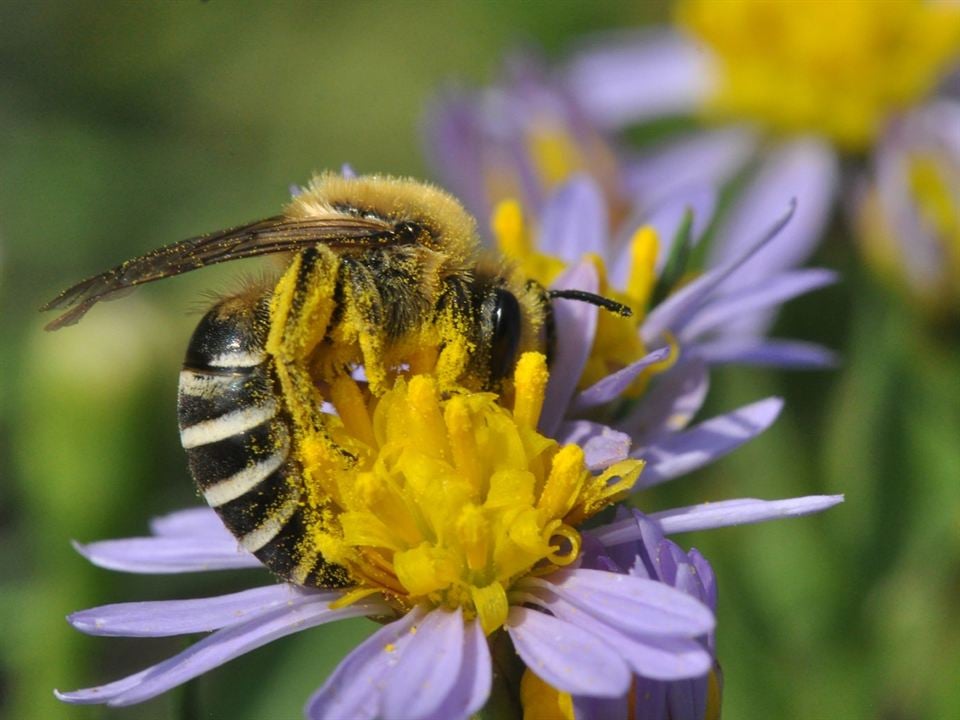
x: 505, y: 338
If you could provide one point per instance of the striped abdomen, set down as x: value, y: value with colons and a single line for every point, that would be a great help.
x: 238, y: 442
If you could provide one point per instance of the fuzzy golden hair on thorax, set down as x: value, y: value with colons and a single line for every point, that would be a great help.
x: 393, y: 200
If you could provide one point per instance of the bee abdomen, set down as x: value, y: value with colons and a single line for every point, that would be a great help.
x: 237, y: 437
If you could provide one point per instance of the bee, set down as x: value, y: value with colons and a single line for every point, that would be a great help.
x: 384, y: 276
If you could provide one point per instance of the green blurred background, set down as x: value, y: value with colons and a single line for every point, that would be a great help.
x: 125, y: 126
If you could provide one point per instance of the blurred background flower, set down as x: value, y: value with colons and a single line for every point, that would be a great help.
x: 126, y: 126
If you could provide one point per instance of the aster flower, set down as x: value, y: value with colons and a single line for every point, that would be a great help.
x: 525, y: 139
x: 908, y: 208
x: 796, y: 88
x: 463, y: 514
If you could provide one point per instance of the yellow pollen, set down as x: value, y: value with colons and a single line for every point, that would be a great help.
x: 836, y: 68
x: 453, y: 498
x: 513, y: 240
x: 530, y: 386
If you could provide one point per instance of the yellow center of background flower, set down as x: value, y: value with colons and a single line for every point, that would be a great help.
x: 834, y: 68
x: 452, y: 499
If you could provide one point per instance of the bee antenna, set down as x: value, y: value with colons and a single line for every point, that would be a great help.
x: 588, y: 297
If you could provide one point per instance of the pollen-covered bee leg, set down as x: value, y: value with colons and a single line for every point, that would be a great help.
x: 301, y: 310
x: 363, y: 321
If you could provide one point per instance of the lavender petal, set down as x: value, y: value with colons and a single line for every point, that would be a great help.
x: 638, y: 76
x: 670, y: 404
x: 680, y: 306
x: 165, y: 555
x: 473, y: 685
x: 602, y: 446
x: 740, y: 512
x: 613, y: 385
x: 419, y: 686
x: 632, y: 604
x: 163, y: 618
x: 662, y: 658
x: 684, y: 452
x: 805, y: 169
x: 767, y: 352
x: 576, y: 324
x: 196, y: 521
x: 762, y: 296
x: 354, y: 688
x: 218, y: 648
x: 566, y: 656
x: 574, y: 221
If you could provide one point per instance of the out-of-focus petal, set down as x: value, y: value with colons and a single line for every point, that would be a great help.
x: 650, y: 698
x: 613, y: 385
x: 220, y: 647
x: 670, y: 404
x: 576, y: 324
x: 740, y: 512
x: 636, y: 76
x: 354, y: 688
x: 708, y: 157
x: 163, y: 555
x: 574, y: 221
x: 794, y: 354
x: 764, y: 295
x: 593, y: 708
x: 666, y: 217
x: 566, y: 656
x: 805, y: 169
x: 602, y: 446
x: 684, y: 452
x: 161, y: 618
x: 681, y: 305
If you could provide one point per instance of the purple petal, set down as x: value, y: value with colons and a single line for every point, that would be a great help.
x: 710, y: 158
x: 794, y: 354
x: 162, y: 618
x: 744, y: 511
x: 631, y: 77
x: 164, y: 555
x: 602, y: 446
x: 354, y: 688
x: 420, y: 684
x: 687, y: 699
x: 613, y: 385
x: 576, y: 324
x: 650, y: 699
x: 632, y: 604
x: 663, y: 658
x: 214, y: 650
x: 679, y: 306
x: 197, y: 521
x: 805, y: 169
x: 666, y: 217
x: 566, y: 656
x: 670, y: 404
x: 767, y: 294
x: 476, y: 677
x: 593, y: 708
x: 684, y: 452
x: 574, y: 221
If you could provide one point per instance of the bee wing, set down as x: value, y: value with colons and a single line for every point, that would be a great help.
x: 273, y: 235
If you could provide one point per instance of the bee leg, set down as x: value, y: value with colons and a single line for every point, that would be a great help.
x: 364, y: 320
x: 301, y: 311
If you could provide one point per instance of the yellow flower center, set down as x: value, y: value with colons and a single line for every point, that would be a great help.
x: 452, y: 499
x: 617, y: 342
x: 930, y: 186
x: 836, y: 68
